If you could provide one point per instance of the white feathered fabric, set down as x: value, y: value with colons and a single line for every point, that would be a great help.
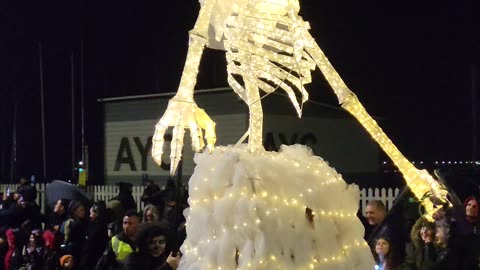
x: 248, y: 212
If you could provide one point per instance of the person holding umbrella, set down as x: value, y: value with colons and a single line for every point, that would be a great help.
x: 61, y: 190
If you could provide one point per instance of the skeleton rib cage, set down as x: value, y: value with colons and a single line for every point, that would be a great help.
x: 268, y: 54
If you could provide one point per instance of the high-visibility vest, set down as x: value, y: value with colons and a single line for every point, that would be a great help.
x: 120, y: 248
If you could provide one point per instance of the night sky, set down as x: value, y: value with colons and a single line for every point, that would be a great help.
x: 412, y: 64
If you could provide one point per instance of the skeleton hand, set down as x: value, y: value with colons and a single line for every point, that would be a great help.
x: 181, y: 115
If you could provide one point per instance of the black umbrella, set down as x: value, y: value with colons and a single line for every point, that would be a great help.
x: 57, y: 190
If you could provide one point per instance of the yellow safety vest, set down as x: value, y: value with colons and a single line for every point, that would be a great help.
x: 120, y: 248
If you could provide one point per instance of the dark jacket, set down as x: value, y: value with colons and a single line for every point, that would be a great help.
x: 28, y: 192
x: 76, y: 239
x: 97, y: 240
x: 127, y: 200
x: 50, y: 260
x: 125, y: 196
x: 55, y: 220
x: 34, y: 259
x: 16, y: 215
x: 152, y: 195
x: 437, y: 258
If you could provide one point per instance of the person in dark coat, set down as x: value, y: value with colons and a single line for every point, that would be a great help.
x: 21, y: 212
x: 125, y: 196
x: 27, y: 190
x: 58, y: 216
x: 97, y: 238
x: 50, y: 256
x: 75, y: 230
x: 415, y: 249
x: 375, y: 213
x: 392, y: 225
x: 34, y: 251
x: 115, y: 215
x: 441, y: 255
x: 152, y: 250
x: 14, y: 257
x: 12, y: 215
x: 3, y: 247
x: 151, y: 194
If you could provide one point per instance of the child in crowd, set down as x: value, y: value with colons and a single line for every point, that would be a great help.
x: 67, y: 262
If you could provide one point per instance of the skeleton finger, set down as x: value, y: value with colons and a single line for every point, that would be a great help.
x: 196, y: 135
x: 158, y: 141
x: 176, y: 146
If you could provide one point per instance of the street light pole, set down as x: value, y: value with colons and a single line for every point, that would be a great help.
x: 474, y: 88
x: 42, y: 104
x: 72, y: 69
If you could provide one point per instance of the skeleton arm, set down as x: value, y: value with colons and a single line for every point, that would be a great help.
x: 182, y: 111
x: 419, y: 181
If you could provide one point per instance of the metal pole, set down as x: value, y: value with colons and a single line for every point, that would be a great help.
x: 40, y: 54
x: 13, y: 161
x: 72, y: 69
x: 474, y: 112
x: 82, y: 90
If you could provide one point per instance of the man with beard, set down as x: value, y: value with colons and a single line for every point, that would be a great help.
x: 152, y: 250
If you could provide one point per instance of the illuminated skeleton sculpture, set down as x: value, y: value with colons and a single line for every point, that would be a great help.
x: 267, y: 46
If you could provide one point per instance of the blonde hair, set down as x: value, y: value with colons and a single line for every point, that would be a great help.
x: 154, y: 210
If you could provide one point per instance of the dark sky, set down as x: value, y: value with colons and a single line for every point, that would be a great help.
x: 410, y: 63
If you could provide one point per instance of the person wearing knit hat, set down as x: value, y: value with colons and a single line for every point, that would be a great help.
x: 75, y: 230
x: 67, y: 262
x: 75, y: 208
x: 50, y: 256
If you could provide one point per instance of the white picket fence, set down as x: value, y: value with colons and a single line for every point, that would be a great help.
x: 106, y: 193
x: 387, y: 196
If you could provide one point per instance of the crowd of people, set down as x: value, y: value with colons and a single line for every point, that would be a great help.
x: 113, y: 235
x: 101, y: 235
x: 450, y: 241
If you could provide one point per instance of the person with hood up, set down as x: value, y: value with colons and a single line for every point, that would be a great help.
x: 50, y: 256
x: 14, y: 258
x: 125, y: 196
x: 27, y: 190
x: 151, y: 193
x: 75, y: 230
x: 422, y: 231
